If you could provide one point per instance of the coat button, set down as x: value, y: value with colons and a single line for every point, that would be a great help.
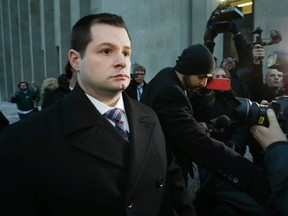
x: 235, y: 180
x: 160, y: 182
x: 230, y: 177
x: 130, y: 204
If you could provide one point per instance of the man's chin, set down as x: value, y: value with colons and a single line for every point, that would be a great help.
x: 122, y: 87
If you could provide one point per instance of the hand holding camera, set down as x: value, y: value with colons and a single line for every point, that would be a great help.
x: 211, y: 29
x: 222, y: 19
x: 268, y: 135
x: 258, y: 53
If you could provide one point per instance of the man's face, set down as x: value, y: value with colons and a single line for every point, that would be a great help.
x: 104, y: 69
x: 23, y: 87
x: 274, y: 78
x: 194, y: 82
x: 139, y: 76
x: 229, y: 64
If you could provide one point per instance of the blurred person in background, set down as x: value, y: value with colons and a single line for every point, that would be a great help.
x: 240, y: 67
x: 137, y: 83
x: 25, y: 99
x: 66, y: 82
x: 269, y: 87
x: 34, y: 87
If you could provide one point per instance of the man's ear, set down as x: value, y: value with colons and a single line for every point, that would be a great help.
x: 74, y: 58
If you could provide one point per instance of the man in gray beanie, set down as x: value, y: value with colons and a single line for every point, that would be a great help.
x: 166, y: 93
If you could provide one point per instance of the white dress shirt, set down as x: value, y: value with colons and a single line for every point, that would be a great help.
x: 103, y: 108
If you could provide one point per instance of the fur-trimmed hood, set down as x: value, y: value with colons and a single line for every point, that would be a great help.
x: 49, y: 84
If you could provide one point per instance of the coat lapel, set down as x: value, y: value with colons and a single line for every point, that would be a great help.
x: 87, y: 130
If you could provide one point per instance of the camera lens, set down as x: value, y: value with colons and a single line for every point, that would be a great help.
x: 250, y: 113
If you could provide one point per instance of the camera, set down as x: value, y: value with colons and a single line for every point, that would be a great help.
x: 275, y: 37
x: 224, y: 13
x: 278, y: 60
x: 252, y: 113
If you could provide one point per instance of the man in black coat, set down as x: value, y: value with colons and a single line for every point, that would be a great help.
x: 137, y: 84
x: 166, y: 93
x: 96, y: 151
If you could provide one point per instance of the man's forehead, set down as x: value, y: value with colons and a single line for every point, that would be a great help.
x: 274, y: 71
x: 104, y: 33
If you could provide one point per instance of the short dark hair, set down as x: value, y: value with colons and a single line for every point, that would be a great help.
x: 23, y: 82
x: 139, y: 68
x: 81, y: 31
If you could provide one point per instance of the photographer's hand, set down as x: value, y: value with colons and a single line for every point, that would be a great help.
x: 266, y: 136
x: 234, y: 27
x: 205, y: 128
x: 258, y: 54
x: 211, y: 30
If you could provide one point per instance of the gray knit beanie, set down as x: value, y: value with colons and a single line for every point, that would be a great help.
x: 195, y: 60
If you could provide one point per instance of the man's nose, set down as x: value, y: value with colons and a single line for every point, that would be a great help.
x: 120, y: 60
x: 203, y: 82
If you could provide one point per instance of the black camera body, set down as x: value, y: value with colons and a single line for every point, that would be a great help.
x: 275, y: 37
x: 252, y: 113
x: 224, y: 13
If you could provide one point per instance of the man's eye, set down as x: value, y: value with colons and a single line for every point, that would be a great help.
x: 106, y: 51
x: 127, y: 54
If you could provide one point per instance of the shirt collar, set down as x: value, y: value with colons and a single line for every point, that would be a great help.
x: 102, y: 108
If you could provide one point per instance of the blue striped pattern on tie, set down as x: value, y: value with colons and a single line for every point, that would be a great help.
x: 116, y: 115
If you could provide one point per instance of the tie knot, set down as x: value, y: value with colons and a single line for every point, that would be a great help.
x: 115, y: 115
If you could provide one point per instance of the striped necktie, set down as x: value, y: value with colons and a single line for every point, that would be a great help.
x: 139, y: 91
x: 116, y: 115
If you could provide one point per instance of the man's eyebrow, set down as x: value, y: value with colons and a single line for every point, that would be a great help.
x: 112, y: 45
